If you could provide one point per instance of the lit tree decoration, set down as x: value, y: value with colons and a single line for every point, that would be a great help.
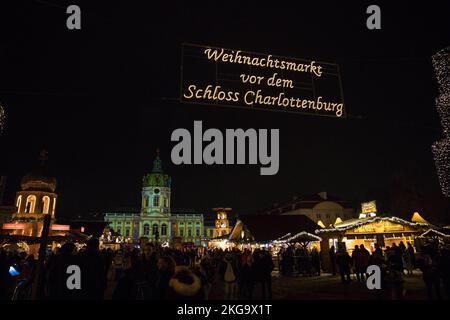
x: 2, y: 118
x: 441, y: 149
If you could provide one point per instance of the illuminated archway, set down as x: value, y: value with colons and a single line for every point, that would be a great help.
x: 54, y: 207
x: 19, y: 203
x: 31, y: 204
x: 45, y: 204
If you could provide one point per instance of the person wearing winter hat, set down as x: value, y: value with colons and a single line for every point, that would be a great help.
x: 185, y: 285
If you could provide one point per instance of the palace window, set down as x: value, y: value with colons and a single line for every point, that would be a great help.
x: 181, y: 233
x: 155, y: 229
x: 127, y: 232
x: 119, y: 230
x: 189, y: 232
x: 45, y: 204
x: 163, y: 229
x: 197, y: 232
x: 146, y: 229
x: 31, y: 204
x: 145, y: 202
x: 156, y: 201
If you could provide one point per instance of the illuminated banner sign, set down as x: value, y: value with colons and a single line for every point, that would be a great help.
x: 369, y: 207
x: 226, y: 77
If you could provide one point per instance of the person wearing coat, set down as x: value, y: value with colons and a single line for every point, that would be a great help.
x: 185, y: 285
x: 362, y: 262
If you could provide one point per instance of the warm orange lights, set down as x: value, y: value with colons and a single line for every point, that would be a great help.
x: 60, y: 227
x: 14, y: 226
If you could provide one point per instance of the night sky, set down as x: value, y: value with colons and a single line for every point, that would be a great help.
x: 101, y: 100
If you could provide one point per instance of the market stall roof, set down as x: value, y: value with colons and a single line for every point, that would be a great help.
x: 302, y: 237
x: 355, y: 223
x: 264, y: 228
x: 431, y: 233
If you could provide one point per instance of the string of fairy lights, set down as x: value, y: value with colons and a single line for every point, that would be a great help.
x: 441, y: 148
x: 2, y: 118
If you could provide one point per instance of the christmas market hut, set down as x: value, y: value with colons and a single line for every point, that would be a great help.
x: 272, y: 230
x: 381, y: 230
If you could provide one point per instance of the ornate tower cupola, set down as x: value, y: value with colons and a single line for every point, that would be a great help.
x: 222, y: 225
x: 156, y: 190
x: 37, y: 197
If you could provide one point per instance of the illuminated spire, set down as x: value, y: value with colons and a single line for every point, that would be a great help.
x: 157, y: 164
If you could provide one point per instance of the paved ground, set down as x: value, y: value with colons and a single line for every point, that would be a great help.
x: 325, y: 287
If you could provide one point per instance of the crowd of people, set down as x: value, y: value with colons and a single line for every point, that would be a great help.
x: 150, y: 272
x: 395, y: 262
x: 300, y: 261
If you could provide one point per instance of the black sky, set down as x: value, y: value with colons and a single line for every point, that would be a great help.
x: 102, y: 99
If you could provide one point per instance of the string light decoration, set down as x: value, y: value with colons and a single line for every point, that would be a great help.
x: 304, y: 234
x: 362, y: 222
x: 441, y: 149
x: 2, y: 118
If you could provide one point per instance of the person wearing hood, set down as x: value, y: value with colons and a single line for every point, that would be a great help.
x: 185, y: 285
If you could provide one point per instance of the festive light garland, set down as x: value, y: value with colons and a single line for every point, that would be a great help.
x: 2, y: 118
x: 303, y: 233
x: 282, y: 237
x: 368, y: 220
x: 441, y: 149
x: 436, y: 232
x: 441, y: 152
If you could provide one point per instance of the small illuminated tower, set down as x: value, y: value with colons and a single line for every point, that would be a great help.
x: 36, y: 199
x: 222, y: 225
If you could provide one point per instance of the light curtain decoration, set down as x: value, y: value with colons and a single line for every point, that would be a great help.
x: 441, y: 148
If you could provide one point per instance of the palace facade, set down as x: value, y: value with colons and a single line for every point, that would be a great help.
x: 155, y: 221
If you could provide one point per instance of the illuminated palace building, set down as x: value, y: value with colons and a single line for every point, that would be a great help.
x: 156, y: 221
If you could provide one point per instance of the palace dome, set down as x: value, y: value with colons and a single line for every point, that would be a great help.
x: 38, y: 180
x: 157, y: 178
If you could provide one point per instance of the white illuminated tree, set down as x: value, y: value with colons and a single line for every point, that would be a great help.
x: 441, y: 148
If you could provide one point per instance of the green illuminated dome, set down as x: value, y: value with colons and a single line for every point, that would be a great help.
x: 157, y: 178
